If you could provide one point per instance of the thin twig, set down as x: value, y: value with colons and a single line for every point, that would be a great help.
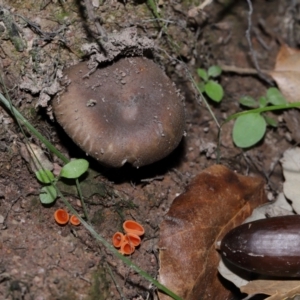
x: 193, y: 12
x: 92, y: 18
x: 253, y: 53
x: 241, y: 71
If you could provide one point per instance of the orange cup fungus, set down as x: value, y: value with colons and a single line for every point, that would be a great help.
x: 131, y: 226
x: 74, y: 220
x: 61, y: 216
x: 126, y: 249
x: 131, y: 239
x: 118, y: 239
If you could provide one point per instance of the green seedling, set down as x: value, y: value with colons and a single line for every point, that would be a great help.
x: 208, y: 85
x: 250, y: 128
x: 72, y: 170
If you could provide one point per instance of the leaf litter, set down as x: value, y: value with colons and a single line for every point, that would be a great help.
x: 217, y: 200
x: 286, y: 73
x: 85, y: 254
x: 287, y: 203
x: 184, y: 238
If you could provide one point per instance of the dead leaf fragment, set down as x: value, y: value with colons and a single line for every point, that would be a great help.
x: 279, y: 289
x: 287, y: 73
x: 216, y: 201
x: 292, y: 121
x: 36, y: 157
x: 291, y: 171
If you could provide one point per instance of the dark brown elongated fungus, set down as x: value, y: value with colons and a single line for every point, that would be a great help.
x: 128, y: 111
x: 268, y: 246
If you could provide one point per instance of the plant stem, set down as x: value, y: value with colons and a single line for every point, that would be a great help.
x: 127, y: 261
x: 252, y: 111
x: 261, y: 110
x: 81, y: 199
x: 204, y: 100
x: 23, y: 121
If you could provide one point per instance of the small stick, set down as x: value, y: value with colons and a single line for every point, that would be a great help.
x: 92, y: 18
x: 253, y: 54
x: 193, y: 12
x: 242, y: 71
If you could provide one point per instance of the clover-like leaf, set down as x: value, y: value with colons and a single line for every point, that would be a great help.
x: 214, y: 91
x: 202, y: 74
x: 48, y: 194
x: 214, y: 71
x: 74, y: 169
x: 201, y: 86
x: 248, y: 130
x: 263, y: 101
x: 270, y: 121
x: 248, y: 101
x: 44, y: 176
x: 275, y: 97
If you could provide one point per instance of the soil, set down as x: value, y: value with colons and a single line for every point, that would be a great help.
x: 42, y: 260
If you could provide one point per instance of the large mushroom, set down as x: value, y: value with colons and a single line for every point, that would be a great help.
x: 128, y: 111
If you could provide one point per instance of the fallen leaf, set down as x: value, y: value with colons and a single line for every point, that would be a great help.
x: 287, y: 73
x: 237, y: 279
x: 216, y: 201
x: 292, y: 121
x: 36, y: 157
x: 291, y: 171
x: 279, y: 289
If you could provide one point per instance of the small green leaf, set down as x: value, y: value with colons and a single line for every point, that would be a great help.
x: 263, y: 101
x: 214, y: 71
x: 44, y: 176
x: 214, y: 90
x: 275, y: 97
x: 74, y: 168
x: 202, y: 74
x: 270, y: 121
x: 48, y: 194
x: 248, y: 130
x: 248, y: 101
x: 201, y: 87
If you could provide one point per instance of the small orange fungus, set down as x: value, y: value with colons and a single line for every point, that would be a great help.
x: 126, y: 248
x: 61, y: 216
x: 74, y: 220
x: 131, y: 226
x: 118, y: 239
x: 132, y: 239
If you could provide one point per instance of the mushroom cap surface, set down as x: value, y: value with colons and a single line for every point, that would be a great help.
x: 128, y: 111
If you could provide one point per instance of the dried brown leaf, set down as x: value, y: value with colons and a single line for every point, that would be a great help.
x: 279, y: 289
x: 287, y: 73
x: 292, y: 121
x: 216, y: 201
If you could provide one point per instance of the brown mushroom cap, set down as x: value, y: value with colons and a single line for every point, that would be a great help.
x: 128, y: 111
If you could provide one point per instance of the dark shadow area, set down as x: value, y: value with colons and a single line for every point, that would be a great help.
x: 127, y: 173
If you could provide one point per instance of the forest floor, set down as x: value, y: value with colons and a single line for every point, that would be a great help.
x: 42, y: 260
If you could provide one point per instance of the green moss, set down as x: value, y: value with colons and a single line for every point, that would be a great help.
x: 34, y: 202
x: 98, y: 217
x: 100, y: 285
x: 60, y: 16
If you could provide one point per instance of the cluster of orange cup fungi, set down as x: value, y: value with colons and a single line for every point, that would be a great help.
x: 62, y: 217
x: 131, y: 239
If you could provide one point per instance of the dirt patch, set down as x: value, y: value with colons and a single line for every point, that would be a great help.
x: 41, y: 260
